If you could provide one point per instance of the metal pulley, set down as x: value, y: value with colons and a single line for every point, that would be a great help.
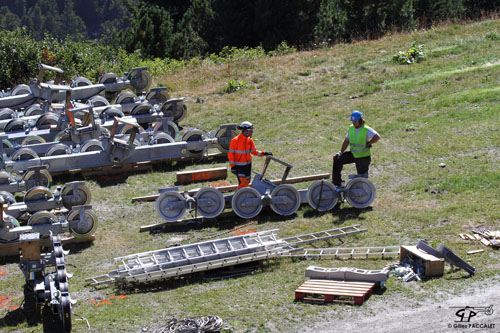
x: 75, y: 194
x: 360, y: 192
x: 322, y: 195
x: 40, y: 175
x: 285, y: 200
x: 194, y: 135
x: 82, y: 221
x: 32, y: 140
x: 171, y: 206
x: 224, y: 135
x: 209, y: 202
x: 24, y: 154
x: 246, y: 202
x: 38, y: 193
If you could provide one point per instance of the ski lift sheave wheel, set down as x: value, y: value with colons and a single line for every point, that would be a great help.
x: 38, y: 193
x: 223, y: 139
x: 322, y: 195
x: 285, y: 200
x: 83, y: 195
x: 8, y: 197
x: 45, y: 177
x: 246, y: 202
x: 58, y: 149
x: 82, y: 228
x: 24, y: 154
x: 360, y: 192
x: 210, y: 202
x: 32, y: 140
x: 171, y: 206
x: 193, y: 135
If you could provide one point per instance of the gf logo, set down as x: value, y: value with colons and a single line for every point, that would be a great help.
x: 467, y: 312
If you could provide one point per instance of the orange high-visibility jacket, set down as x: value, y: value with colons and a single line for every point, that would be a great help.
x: 240, y: 149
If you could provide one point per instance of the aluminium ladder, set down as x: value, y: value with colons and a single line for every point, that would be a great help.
x: 191, y: 258
x: 344, y: 253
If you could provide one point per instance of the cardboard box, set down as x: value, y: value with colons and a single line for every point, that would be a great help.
x: 434, y: 266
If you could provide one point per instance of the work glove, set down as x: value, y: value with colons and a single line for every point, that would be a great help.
x: 368, y: 145
x: 337, y: 156
x: 268, y: 153
x: 234, y: 169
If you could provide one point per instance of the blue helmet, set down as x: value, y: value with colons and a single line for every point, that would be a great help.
x: 356, y: 115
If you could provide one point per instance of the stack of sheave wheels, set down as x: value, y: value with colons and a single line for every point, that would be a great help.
x: 56, y: 130
x: 64, y: 209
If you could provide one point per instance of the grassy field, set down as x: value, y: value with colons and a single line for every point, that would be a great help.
x: 445, y: 109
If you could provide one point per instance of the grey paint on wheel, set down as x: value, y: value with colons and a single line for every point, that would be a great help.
x: 322, y: 195
x: 360, y: 192
x: 285, y: 200
x: 171, y: 206
x: 246, y: 202
x: 209, y: 202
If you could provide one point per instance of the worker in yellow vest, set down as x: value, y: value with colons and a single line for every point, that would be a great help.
x: 359, y: 138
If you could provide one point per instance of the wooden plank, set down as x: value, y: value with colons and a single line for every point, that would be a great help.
x: 229, y: 188
x: 191, y: 176
x: 462, y: 236
x: 478, y: 237
x: 12, y: 249
x: 485, y: 242
x: 475, y: 251
x: 470, y: 237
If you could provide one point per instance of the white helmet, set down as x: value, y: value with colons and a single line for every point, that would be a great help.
x: 245, y: 125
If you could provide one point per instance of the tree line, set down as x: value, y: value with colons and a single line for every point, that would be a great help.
x: 182, y: 29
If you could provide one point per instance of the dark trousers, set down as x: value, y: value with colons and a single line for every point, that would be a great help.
x: 244, y: 174
x: 362, y: 166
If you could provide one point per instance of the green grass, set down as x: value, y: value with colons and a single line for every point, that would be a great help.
x: 442, y: 110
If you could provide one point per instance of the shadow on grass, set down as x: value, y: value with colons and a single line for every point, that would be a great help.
x: 341, y: 214
x: 225, y: 221
x: 31, y: 313
x: 229, y: 272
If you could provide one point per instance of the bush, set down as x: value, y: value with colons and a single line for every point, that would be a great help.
x: 233, y: 86
x: 21, y: 56
x: 414, y: 54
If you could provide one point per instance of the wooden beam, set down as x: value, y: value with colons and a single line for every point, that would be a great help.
x: 191, y: 176
x: 229, y: 188
x: 12, y: 249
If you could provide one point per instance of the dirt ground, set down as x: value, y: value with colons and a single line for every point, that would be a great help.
x: 403, y: 315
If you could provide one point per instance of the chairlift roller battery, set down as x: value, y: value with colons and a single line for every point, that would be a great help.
x: 34, y: 176
x: 116, y: 151
x: 80, y: 222
x: 40, y: 198
x: 284, y: 199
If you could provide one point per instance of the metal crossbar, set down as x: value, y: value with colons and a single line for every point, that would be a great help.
x: 343, y: 253
x: 180, y: 260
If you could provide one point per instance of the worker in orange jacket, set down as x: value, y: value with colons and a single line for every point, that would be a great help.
x: 240, y: 148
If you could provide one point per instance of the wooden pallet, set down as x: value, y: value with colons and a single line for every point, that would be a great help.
x: 334, y: 291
